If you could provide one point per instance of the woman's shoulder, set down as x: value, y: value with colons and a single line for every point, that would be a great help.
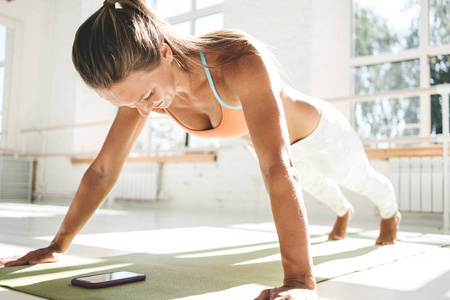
x: 238, y: 55
x: 227, y: 44
x: 249, y: 76
x: 244, y: 63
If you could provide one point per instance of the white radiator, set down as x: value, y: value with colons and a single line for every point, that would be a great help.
x: 418, y: 183
x: 137, y: 181
x: 15, y: 179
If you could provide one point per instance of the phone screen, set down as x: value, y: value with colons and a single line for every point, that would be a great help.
x: 108, y: 276
x: 107, y: 279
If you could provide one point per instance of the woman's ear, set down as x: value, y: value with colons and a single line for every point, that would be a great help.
x: 166, y: 52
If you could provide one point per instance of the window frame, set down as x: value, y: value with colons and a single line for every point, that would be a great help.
x: 8, y: 65
x: 423, y: 53
x: 194, y: 14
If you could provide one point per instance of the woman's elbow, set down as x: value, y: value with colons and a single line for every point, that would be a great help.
x: 279, y: 175
x: 101, y: 175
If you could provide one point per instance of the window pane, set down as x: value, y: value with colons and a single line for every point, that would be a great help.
x: 207, y: 24
x: 165, y: 135
x: 170, y: 8
x: 196, y: 142
x: 440, y: 69
x: 2, y: 87
x: 143, y: 141
x: 183, y: 28
x: 436, y: 114
x: 439, y: 17
x: 387, y: 118
x: 139, y: 144
x: 386, y: 77
x: 2, y: 42
x: 199, y: 4
x: 385, y: 26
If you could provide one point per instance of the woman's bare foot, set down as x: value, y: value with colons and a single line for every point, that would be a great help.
x: 388, y: 230
x: 339, y: 231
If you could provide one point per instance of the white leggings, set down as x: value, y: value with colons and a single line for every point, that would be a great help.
x: 333, y: 155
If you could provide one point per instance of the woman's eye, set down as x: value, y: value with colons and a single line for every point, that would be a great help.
x: 148, y: 98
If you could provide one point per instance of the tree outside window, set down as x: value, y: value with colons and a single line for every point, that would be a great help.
x: 439, y: 74
x: 389, y: 28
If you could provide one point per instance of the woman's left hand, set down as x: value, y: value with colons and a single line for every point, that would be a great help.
x: 288, y: 292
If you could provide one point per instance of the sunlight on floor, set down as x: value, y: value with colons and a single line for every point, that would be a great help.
x: 171, y: 241
x: 409, y: 274
x: 270, y: 258
x: 24, y: 210
x: 239, y: 250
x: 11, y: 249
x: 265, y: 226
x: 248, y: 291
x: 33, y: 279
x: 68, y: 262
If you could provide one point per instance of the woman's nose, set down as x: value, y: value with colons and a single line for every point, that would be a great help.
x: 144, y: 108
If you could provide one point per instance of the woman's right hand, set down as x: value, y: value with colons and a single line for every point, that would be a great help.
x: 52, y: 253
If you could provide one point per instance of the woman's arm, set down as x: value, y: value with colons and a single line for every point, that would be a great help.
x: 259, y: 94
x: 97, y: 182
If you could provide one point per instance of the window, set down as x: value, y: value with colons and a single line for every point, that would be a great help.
x: 439, y: 74
x: 436, y: 114
x: 385, y: 26
x: 387, y: 118
x: 5, y: 66
x: 439, y: 15
x: 196, y: 17
x: 386, y: 77
x: 189, y: 17
x: 207, y: 24
x: 171, y: 8
x: 400, y: 51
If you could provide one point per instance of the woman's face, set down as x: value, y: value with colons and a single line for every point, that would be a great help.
x: 145, y: 90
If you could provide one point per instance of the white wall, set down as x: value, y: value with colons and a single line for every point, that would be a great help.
x: 310, y: 38
x: 48, y: 94
x: 30, y: 71
x: 285, y: 25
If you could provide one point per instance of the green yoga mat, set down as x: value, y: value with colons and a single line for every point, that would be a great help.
x: 227, y: 273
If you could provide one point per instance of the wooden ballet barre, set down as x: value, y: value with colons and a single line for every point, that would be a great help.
x: 187, y: 157
x: 406, y: 151
x: 372, y: 153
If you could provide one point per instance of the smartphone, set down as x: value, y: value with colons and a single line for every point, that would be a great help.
x: 107, y: 279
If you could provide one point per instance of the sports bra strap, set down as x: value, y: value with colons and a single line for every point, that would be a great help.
x: 211, y: 83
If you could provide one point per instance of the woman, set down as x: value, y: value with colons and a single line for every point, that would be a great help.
x: 224, y: 84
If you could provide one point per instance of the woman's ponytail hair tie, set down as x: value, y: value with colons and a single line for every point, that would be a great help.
x: 108, y: 3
